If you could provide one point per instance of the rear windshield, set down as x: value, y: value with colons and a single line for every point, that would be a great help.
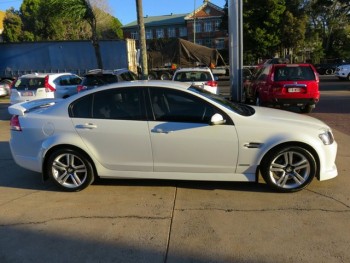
x: 294, y: 73
x: 99, y: 80
x: 29, y: 83
x: 192, y: 76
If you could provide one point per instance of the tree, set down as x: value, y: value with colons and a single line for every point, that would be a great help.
x: 12, y: 26
x: 79, y: 10
x: 261, y: 27
x: 329, y: 18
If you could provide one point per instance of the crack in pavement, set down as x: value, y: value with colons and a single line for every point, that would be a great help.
x: 86, y: 217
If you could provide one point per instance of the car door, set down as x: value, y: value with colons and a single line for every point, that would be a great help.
x: 182, y: 139
x: 113, y: 126
x: 66, y: 85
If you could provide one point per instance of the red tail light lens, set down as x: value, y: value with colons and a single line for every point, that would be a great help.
x: 14, y: 123
x: 48, y: 87
x: 81, y: 88
x: 211, y: 83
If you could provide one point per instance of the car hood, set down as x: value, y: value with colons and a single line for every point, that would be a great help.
x: 283, y: 117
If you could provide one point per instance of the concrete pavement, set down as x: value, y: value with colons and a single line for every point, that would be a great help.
x: 173, y: 221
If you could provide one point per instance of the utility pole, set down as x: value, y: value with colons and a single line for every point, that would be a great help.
x: 194, y: 22
x: 236, y: 48
x: 142, y: 39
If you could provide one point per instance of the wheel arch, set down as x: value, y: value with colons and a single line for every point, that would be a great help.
x: 65, y: 146
x: 306, y: 146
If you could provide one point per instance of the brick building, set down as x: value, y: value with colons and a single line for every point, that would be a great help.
x: 201, y: 26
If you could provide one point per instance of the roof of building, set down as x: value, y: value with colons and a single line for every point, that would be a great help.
x: 201, y: 12
x: 160, y: 20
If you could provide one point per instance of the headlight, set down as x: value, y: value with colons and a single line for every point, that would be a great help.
x: 326, y: 137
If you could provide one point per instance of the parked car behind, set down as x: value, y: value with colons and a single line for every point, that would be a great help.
x: 168, y: 130
x: 5, y: 85
x: 200, y: 77
x: 343, y: 72
x: 284, y: 86
x: 98, y: 77
x: 41, y: 85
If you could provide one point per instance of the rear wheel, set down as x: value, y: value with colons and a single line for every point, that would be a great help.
x: 165, y: 76
x: 151, y: 76
x: 288, y: 168
x: 70, y: 170
x: 307, y: 109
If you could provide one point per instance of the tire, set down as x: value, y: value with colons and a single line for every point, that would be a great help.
x: 288, y: 168
x: 165, y: 76
x: 348, y: 77
x: 152, y: 76
x: 70, y: 170
x: 329, y: 71
x: 306, y: 109
x: 258, y: 100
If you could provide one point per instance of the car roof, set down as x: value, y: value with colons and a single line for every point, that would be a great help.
x: 193, y: 69
x: 148, y: 83
x: 42, y: 75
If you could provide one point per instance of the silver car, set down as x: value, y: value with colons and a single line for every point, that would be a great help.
x: 168, y: 130
x: 42, y: 85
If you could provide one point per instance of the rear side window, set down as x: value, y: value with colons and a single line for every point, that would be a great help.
x: 99, y: 80
x: 29, y: 83
x: 294, y: 73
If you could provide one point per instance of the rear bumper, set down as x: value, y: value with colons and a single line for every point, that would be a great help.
x: 293, y: 102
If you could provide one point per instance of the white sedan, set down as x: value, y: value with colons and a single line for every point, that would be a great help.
x: 168, y: 130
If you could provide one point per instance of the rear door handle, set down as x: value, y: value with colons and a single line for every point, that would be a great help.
x: 88, y: 126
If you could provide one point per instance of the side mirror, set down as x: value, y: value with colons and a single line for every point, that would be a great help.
x: 217, y: 119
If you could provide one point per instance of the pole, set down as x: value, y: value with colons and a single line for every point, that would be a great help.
x: 194, y: 22
x: 142, y: 34
x: 236, y: 48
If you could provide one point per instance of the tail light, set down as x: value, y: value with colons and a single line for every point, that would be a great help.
x: 81, y: 88
x: 212, y: 83
x: 14, y: 123
x: 48, y: 87
x: 276, y: 88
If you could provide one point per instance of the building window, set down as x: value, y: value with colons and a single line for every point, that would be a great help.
x: 171, y: 32
x: 198, y: 27
x: 135, y: 35
x: 217, y: 25
x: 207, y: 42
x: 160, y: 33
x: 220, y: 43
x: 199, y: 41
x: 183, y: 31
x: 208, y: 27
x: 149, y: 34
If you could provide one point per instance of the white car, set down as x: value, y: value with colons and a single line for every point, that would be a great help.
x: 343, y: 72
x: 5, y: 85
x: 200, y: 77
x: 42, y: 85
x: 168, y: 130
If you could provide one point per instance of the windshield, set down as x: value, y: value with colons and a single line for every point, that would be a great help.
x: 238, y: 108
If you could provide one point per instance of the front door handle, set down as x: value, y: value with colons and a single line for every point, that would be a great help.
x: 160, y: 131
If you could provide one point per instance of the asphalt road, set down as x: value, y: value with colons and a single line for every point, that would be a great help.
x: 177, y: 221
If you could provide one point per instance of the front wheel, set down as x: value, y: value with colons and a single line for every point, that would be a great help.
x: 70, y: 170
x: 288, y: 169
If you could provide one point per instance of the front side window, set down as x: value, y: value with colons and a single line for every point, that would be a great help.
x: 178, y: 106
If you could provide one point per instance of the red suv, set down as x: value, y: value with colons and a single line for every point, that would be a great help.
x: 284, y: 86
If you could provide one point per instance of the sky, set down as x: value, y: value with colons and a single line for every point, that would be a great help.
x: 125, y: 10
